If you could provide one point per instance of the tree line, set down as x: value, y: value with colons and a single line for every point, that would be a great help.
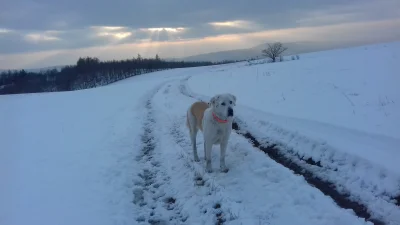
x: 88, y: 72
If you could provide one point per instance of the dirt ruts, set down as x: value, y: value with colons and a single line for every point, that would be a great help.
x: 326, y: 187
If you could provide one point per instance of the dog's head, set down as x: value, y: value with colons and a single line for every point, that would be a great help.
x: 223, y: 104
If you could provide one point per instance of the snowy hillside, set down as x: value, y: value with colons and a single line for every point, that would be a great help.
x: 329, y: 126
x: 324, y: 95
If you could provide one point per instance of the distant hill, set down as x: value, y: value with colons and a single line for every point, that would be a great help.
x: 255, y: 52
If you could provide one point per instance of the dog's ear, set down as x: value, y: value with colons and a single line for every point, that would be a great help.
x: 213, y: 100
x: 234, y: 98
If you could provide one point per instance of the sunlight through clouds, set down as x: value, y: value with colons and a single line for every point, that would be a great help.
x: 116, y: 33
x: 168, y: 29
x: 238, y: 24
x: 163, y: 33
x: 4, y: 31
x: 159, y: 35
x: 42, y: 37
x: 106, y: 28
x: 235, y: 23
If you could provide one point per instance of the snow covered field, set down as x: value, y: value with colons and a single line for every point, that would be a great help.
x: 121, y: 154
x: 345, y: 98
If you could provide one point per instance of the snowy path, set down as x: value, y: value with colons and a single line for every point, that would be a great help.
x: 121, y: 153
x: 256, y: 190
x: 341, y: 176
x: 154, y: 199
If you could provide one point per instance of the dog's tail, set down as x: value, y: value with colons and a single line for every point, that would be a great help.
x: 187, y: 120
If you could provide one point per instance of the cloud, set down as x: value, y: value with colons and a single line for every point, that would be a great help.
x: 35, y: 26
x: 235, y: 24
x: 166, y: 29
x: 42, y: 36
x: 4, y: 31
x: 91, y: 36
x: 351, y: 12
x: 113, y: 34
x: 75, y: 14
x: 161, y: 33
x: 343, y: 33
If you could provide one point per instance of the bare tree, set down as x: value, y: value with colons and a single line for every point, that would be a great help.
x: 273, y: 51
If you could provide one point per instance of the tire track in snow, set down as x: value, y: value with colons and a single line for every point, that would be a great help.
x: 157, y: 205
x: 292, y: 162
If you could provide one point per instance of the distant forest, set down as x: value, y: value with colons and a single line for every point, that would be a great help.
x: 87, y: 73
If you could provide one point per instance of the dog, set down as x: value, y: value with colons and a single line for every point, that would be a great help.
x: 214, y: 119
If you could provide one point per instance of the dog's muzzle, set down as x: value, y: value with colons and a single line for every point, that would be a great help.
x: 230, y: 112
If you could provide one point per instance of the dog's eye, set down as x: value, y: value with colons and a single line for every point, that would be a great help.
x: 223, y: 103
x: 230, y: 102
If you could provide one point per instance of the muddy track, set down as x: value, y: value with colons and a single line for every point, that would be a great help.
x: 156, y: 206
x: 326, y: 187
x: 275, y: 152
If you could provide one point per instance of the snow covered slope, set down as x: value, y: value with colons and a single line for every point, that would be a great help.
x: 66, y: 158
x: 121, y: 154
x: 339, y: 108
x: 347, y: 97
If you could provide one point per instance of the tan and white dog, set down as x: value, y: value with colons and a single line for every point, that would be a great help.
x: 214, y: 119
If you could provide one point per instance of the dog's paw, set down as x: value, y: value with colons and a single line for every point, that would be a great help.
x: 196, y: 159
x: 209, y: 169
x: 224, y: 169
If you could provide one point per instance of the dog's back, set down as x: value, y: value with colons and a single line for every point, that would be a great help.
x: 196, y: 111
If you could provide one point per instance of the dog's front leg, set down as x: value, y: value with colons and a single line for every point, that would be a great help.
x: 207, y: 151
x: 222, y: 165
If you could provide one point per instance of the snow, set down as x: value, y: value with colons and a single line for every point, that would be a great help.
x: 349, y: 128
x: 121, y: 154
x: 255, y: 191
x: 324, y: 95
x: 65, y: 157
x: 347, y: 88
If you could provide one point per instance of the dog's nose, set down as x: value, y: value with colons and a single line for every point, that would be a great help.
x: 230, y: 111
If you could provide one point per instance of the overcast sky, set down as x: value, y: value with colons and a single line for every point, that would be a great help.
x: 37, y: 33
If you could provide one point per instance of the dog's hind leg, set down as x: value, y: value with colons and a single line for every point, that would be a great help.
x: 193, y: 135
x: 193, y: 129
